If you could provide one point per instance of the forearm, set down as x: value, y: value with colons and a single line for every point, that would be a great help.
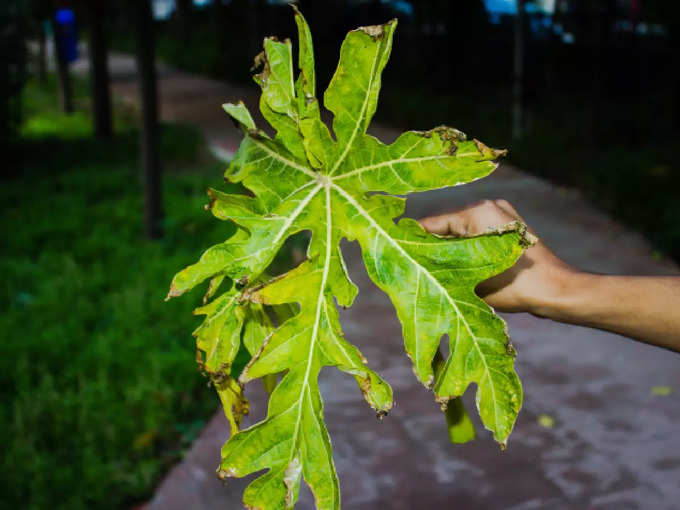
x: 640, y: 307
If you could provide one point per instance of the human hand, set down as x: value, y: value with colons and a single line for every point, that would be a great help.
x: 532, y: 283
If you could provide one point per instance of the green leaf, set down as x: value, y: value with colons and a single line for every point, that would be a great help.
x: 306, y: 179
x: 458, y: 422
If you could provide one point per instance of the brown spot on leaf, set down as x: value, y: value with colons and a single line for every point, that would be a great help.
x: 526, y: 238
x: 449, y: 133
x: 290, y: 478
x: 365, y: 385
x: 199, y: 360
x: 256, y: 134
x: 220, y: 377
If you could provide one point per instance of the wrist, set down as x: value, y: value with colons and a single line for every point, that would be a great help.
x: 564, y: 293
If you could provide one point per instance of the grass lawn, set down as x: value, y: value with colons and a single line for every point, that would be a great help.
x: 100, y: 391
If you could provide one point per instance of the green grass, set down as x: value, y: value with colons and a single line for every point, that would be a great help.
x: 100, y: 391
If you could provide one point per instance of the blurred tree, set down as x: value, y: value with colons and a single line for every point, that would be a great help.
x: 258, y: 20
x: 465, y: 21
x: 667, y: 13
x: 183, y: 9
x: 603, y: 14
x: 42, y: 53
x: 553, y: 43
x: 99, y: 68
x: 221, y: 18
x: 12, y: 74
x: 61, y: 33
x: 151, y: 162
x: 518, y: 71
x: 39, y: 12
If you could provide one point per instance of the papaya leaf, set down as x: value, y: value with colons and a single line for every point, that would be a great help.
x: 342, y: 186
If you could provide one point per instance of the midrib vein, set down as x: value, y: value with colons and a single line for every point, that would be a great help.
x: 315, y: 331
x: 450, y: 299
x: 362, y: 112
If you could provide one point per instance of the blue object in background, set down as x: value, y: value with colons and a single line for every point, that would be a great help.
x: 65, y: 30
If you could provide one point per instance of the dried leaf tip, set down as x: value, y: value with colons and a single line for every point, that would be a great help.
x: 488, y: 152
x: 223, y: 474
x: 295, y: 9
x: 526, y: 238
x: 258, y: 61
x: 376, y: 31
x: 211, y: 202
x: 173, y: 292
x: 443, y: 402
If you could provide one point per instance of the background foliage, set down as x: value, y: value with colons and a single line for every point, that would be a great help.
x: 602, y: 113
x: 12, y: 71
x: 98, y: 386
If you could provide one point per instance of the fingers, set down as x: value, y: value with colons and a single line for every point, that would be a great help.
x: 473, y: 219
x: 446, y: 224
x: 508, y: 208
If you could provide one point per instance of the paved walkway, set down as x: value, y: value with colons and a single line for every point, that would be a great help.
x: 613, y: 444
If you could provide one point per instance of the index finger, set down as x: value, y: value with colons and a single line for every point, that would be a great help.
x: 445, y: 224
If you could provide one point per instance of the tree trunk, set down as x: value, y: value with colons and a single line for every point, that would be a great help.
x: 221, y: 34
x: 151, y: 164
x: 63, y: 73
x: 183, y: 17
x: 256, y: 23
x: 677, y: 93
x: 42, y: 54
x: 603, y: 17
x: 551, y: 62
x: 518, y: 86
x: 99, y: 71
x: 675, y: 48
